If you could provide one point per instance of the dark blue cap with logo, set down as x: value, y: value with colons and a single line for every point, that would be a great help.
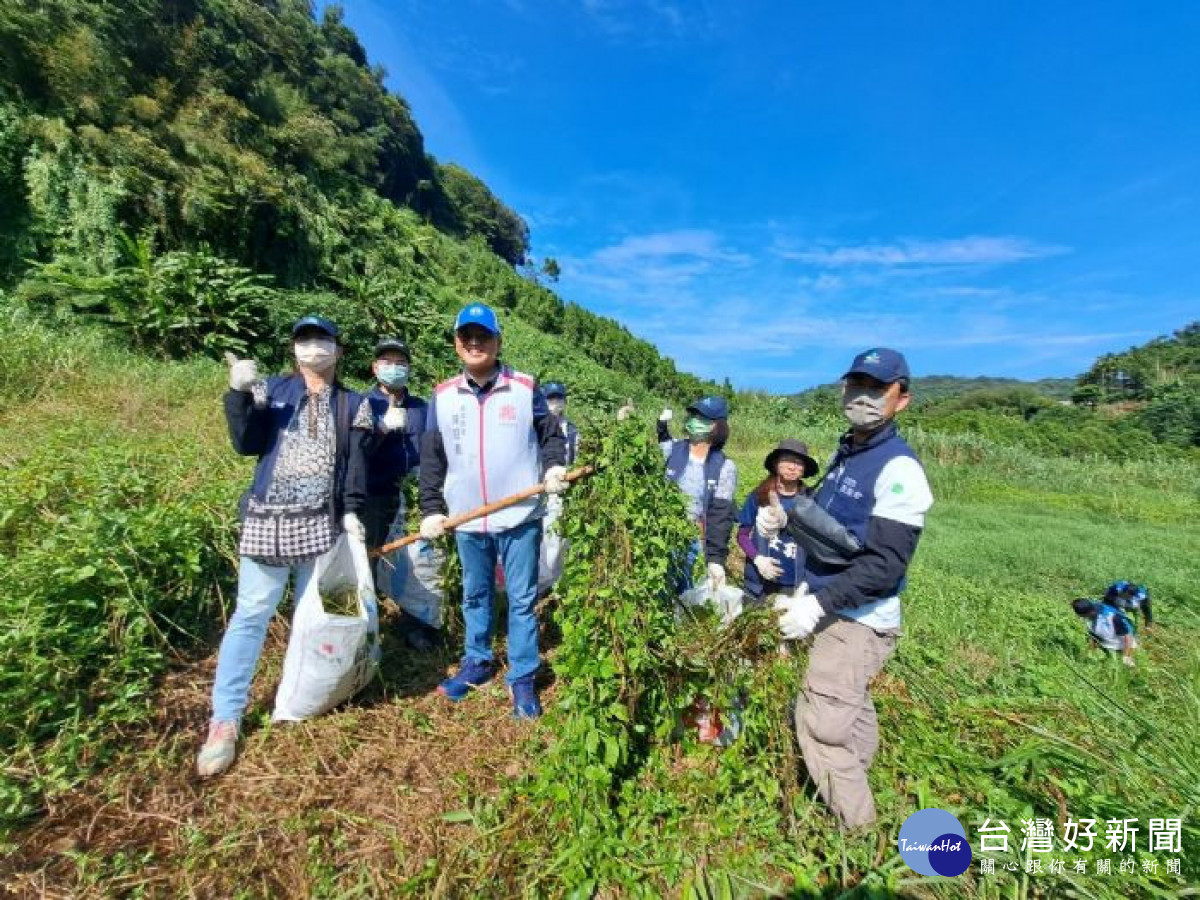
x: 710, y: 408
x: 881, y: 364
x: 478, y: 314
x: 554, y: 389
x: 315, y: 322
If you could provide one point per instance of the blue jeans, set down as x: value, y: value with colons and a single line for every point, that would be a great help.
x: 260, y: 588
x: 517, y: 549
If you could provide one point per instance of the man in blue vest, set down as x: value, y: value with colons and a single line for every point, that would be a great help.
x: 490, y: 434
x: 876, y: 488
x: 556, y: 399
x: 1130, y: 598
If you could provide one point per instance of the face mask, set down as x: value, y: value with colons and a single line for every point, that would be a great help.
x: 557, y: 406
x: 394, y: 375
x: 316, y: 354
x: 698, y: 428
x: 863, y: 406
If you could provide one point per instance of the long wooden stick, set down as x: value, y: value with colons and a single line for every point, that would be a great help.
x: 486, y: 510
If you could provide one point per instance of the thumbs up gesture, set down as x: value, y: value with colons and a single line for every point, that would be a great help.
x: 243, y: 373
x: 771, y: 518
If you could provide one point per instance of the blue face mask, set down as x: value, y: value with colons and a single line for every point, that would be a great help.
x: 394, y: 375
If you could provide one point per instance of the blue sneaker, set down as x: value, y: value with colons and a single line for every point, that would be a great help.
x: 471, y: 674
x: 525, y: 699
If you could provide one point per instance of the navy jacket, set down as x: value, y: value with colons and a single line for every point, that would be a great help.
x: 392, y: 455
x: 847, y: 493
x: 256, y: 432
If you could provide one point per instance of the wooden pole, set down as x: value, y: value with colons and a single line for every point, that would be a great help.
x: 481, y: 511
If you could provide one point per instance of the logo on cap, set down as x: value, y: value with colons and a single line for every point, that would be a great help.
x: 872, y: 357
x: 477, y: 310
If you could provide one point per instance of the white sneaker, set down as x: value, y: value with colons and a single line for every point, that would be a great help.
x: 219, y: 749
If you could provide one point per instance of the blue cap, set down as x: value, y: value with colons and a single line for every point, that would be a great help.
x: 315, y: 322
x: 881, y: 364
x: 554, y: 389
x: 710, y: 408
x: 478, y: 314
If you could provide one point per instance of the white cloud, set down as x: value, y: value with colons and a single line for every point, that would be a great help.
x: 696, y: 244
x: 966, y: 251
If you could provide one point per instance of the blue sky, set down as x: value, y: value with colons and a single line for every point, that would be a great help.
x: 762, y: 189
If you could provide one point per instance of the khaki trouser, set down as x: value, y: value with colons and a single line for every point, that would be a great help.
x: 835, y: 718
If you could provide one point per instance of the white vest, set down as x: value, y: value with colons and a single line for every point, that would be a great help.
x: 491, y: 448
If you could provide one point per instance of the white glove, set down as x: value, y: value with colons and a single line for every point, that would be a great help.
x: 354, y: 527
x: 243, y: 373
x: 716, y: 577
x: 768, y: 568
x: 1128, y: 660
x: 625, y: 411
x: 666, y: 415
x: 395, y: 418
x: 433, y: 527
x: 799, y: 613
x: 770, y: 521
x: 555, y: 481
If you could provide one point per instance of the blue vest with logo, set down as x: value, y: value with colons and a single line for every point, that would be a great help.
x: 848, y: 491
x: 713, y: 463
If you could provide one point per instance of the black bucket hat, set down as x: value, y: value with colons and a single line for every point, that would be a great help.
x: 797, y: 448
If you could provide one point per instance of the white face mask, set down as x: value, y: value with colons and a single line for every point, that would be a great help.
x: 863, y: 407
x: 316, y: 354
x: 557, y: 405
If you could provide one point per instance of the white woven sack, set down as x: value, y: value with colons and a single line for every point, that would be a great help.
x: 330, y: 657
x: 554, y: 547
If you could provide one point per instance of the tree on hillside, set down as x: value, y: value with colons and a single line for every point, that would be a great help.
x: 477, y: 211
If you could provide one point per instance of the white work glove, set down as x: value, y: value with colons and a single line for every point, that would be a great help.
x: 768, y: 568
x: 770, y: 521
x: 395, y: 418
x: 625, y: 411
x: 243, y: 373
x: 666, y: 415
x: 799, y: 613
x: 1128, y: 660
x: 433, y: 527
x: 555, y: 481
x: 716, y: 577
x: 354, y: 527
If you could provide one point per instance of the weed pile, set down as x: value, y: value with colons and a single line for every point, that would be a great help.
x: 624, y: 788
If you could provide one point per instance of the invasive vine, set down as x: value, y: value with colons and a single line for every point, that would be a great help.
x: 604, y: 801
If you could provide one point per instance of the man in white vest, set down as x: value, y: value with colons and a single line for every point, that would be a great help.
x: 489, y: 434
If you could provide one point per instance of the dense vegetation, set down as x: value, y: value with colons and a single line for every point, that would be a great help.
x: 195, y: 173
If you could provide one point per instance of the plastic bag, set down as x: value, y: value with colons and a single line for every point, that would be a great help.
x: 330, y: 657
x: 412, y: 575
x: 727, y: 602
x: 554, y: 547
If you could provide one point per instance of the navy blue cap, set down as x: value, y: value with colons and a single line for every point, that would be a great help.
x: 554, y: 389
x: 881, y: 364
x: 478, y: 314
x: 391, y: 343
x: 710, y: 408
x: 315, y: 322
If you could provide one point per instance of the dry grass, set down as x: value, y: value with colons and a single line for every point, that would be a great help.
x: 354, y: 798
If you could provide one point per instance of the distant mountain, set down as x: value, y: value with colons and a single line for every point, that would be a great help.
x: 930, y: 388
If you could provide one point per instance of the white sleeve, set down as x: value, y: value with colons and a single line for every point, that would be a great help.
x: 902, y: 492
x: 726, y: 481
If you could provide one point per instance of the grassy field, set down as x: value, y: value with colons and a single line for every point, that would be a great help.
x: 118, y: 490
